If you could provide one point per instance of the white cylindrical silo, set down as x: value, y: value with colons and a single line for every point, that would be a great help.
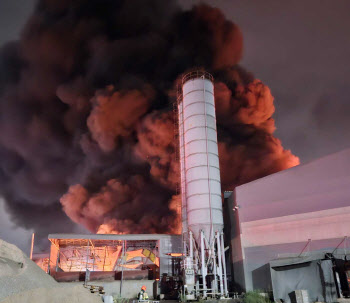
x: 199, y: 156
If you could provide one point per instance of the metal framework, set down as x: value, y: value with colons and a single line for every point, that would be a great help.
x: 103, y: 255
x: 109, y: 256
x: 197, y: 74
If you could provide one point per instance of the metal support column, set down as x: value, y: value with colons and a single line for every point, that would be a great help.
x: 218, y: 240
x: 203, y: 265
x: 224, y: 263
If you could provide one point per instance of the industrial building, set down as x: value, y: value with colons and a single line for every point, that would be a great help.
x: 108, y: 256
x: 282, y: 227
x: 294, y: 213
x: 121, y: 264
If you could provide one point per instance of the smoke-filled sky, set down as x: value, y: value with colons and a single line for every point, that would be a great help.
x: 66, y: 90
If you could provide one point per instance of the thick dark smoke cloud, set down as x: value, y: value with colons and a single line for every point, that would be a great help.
x: 87, y: 128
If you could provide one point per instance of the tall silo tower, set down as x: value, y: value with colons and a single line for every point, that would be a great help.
x: 200, y: 188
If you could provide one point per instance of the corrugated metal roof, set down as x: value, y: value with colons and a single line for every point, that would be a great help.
x: 112, y: 236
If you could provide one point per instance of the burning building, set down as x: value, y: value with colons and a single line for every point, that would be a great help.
x: 111, y: 258
x: 105, y: 256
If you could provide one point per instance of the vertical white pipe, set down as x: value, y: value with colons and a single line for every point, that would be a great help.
x: 215, y: 288
x: 93, y: 260
x: 32, y: 247
x: 122, y: 263
x: 224, y: 263
x: 218, y: 240
x: 191, y: 246
x: 87, y: 261
x: 204, y: 269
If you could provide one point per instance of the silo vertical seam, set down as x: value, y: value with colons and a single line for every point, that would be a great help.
x: 207, y: 148
x: 183, y: 166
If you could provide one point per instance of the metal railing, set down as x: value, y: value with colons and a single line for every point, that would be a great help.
x: 197, y: 74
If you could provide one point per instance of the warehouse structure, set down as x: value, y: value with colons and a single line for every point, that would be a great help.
x: 112, y: 256
x: 292, y: 213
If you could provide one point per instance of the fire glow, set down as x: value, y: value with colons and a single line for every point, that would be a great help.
x: 87, y: 122
x: 104, y: 257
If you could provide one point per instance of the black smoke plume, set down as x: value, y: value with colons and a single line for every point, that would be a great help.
x: 86, y: 122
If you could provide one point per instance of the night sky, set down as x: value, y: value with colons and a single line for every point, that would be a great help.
x: 300, y: 49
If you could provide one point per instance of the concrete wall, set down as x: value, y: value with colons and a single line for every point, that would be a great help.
x: 130, y: 289
x: 278, y: 215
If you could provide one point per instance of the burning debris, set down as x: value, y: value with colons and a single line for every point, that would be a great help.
x: 86, y: 113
